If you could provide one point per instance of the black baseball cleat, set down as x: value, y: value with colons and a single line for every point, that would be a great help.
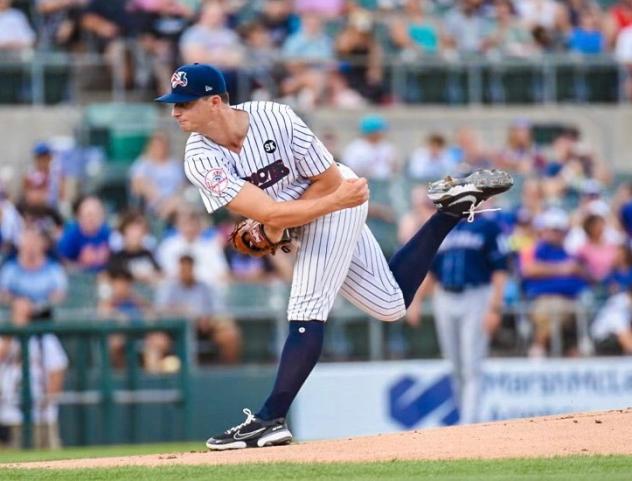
x: 252, y: 433
x: 462, y: 197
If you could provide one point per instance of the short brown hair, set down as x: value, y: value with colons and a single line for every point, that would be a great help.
x: 225, y: 97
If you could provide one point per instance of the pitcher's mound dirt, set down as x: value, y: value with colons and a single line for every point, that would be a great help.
x: 585, y: 433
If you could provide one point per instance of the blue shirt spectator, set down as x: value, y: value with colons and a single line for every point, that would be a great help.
x: 31, y: 283
x: 85, y: 243
x: 35, y: 284
x: 310, y: 43
x: 587, y: 38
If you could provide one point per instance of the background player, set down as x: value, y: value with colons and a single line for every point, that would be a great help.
x: 260, y: 160
x: 468, y: 277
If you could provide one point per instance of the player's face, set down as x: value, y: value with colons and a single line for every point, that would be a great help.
x: 192, y: 116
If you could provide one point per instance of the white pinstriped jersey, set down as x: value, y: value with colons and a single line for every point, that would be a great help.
x: 279, y: 154
x: 338, y: 252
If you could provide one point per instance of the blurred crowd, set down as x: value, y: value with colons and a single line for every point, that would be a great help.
x: 566, y: 227
x: 307, y: 52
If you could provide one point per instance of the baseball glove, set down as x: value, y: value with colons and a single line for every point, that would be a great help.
x: 248, y: 237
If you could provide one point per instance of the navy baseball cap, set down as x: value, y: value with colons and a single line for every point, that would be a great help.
x: 192, y: 82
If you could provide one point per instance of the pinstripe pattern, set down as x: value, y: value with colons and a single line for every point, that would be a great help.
x: 323, y: 262
x: 219, y: 173
x: 326, y: 261
x: 370, y: 284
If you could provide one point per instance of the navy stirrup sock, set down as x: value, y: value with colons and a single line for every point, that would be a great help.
x: 300, y: 354
x: 411, y: 263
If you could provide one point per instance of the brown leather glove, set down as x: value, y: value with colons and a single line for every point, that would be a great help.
x: 248, y: 237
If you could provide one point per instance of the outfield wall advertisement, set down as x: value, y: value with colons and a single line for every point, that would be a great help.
x: 354, y: 399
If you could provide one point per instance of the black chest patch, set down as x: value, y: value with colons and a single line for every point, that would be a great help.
x: 268, y: 175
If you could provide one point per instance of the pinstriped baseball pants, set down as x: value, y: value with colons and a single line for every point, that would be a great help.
x: 339, y: 253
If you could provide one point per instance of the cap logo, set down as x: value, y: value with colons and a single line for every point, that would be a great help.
x: 179, y: 79
x: 207, y: 88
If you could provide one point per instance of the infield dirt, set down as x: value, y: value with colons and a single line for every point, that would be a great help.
x: 562, y: 435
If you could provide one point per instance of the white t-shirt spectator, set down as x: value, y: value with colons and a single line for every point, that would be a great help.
x: 15, y: 30
x: 623, y: 48
x: 613, y: 318
x: 207, y: 251
x: 373, y: 161
x: 214, y: 42
x: 194, y: 301
x: 166, y: 177
x: 538, y: 12
x: 47, y: 356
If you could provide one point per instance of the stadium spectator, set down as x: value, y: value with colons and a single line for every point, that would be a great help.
x: 134, y: 257
x: 611, y: 330
x: 306, y: 54
x: 31, y: 283
x: 211, y: 41
x: 619, y: 17
x: 597, y: 254
x: 551, y: 279
x: 469, y: 152
x: 16, y: 34
x: 413, y: 32
x: 36, y: 210
x: 206, y: 248
x: 184, y: 295
x: 330, y: 9
x: 157, y: 178
x: 161, y: 22
x: 361, y: 54
x: 60, y: 23
x: 588, y: 37
x: 371, y: 155
x: 509, y: 36
x: 111, y: 29
x: 310, y: 44
x: 124, y: 304
x: 431, y: 161
x: 84, y: 243
x: 262, y: 59
x: 545, y: 14
x: 520, y: 154
x: 48, y: 364
x: 279, y: 19
x: 466, y: 28
x: 47, y: 167
x: 10, y: 225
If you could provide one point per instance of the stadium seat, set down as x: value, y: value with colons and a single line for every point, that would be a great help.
x: 128, y: 125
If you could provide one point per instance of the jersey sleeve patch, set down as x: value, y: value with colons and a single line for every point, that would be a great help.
x: 216, y: 181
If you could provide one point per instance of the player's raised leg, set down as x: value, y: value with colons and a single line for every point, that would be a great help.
x: 455, y: 199
x: 384, y: 290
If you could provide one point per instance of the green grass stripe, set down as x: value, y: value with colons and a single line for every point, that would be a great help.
x: 582, y: 468
x: 13, y: 456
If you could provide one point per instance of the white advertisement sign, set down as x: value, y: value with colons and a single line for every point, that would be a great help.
x: 352, y: 399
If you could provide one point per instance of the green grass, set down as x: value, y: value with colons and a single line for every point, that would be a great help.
x: 12, y: 456
x: 595, y: 468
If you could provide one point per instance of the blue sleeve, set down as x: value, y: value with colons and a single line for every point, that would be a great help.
x: 497, y: 250
x: 6, y: 278
x: 68, y: 246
